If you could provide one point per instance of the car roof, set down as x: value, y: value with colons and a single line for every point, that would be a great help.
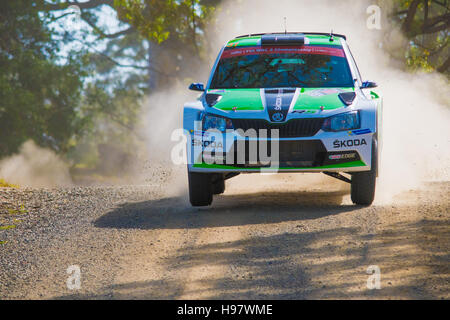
x: 314, y: 38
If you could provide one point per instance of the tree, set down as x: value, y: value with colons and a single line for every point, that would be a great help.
x: 170, y: 31
x: 157, y: 43
x: 38, y: 96
x: 425, y: 23
x: 176, y: 34
x: 118, y: 77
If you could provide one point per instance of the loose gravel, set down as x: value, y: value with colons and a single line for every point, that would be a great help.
x: 138, y: 242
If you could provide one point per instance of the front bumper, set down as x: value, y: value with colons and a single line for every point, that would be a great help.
x: 347, y: 151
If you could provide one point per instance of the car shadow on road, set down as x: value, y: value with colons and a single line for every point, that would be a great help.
x: 227, y: 210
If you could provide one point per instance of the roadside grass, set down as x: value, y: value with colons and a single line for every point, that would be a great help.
x: 12, y: 226
x: 21, y: 210
x: 4, y: 184
x: 11, y: 212
x: 8, y: 227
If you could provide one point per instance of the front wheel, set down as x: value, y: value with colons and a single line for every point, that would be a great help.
x: 200, y: 189
x: 219, y: 185
x: 363, y: 183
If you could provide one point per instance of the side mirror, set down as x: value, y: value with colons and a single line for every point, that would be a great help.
x: 368, y: 84
x: 197, y: 87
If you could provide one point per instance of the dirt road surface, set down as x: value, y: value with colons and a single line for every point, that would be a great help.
x: 280, y: 241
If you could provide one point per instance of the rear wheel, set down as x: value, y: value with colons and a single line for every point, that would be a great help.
x: 363, y: 183
x: 200, y: 189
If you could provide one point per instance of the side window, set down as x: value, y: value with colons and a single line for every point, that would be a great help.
x: 354, y: 66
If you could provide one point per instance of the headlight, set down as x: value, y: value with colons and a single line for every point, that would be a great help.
x: 218, y: 123
x: 343, y: 121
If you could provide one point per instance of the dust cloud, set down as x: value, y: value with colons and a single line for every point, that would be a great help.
x: 162, y: 115
x: 34, y: 166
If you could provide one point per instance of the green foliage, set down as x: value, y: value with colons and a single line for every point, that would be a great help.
x: 175, y: 31
x: 7, y: 227
x: 425, y: 23
x: 38, y: 97
x: 157, y: 20
x: 417, y: 59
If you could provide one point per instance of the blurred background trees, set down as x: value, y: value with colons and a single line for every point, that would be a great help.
x: 38, y: 97
x: 425, y: 23
x: 73, y: 74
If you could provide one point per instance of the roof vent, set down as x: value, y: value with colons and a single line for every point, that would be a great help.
x: 282, y: 39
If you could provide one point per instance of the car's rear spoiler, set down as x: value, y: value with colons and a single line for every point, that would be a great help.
x: 298, y: 33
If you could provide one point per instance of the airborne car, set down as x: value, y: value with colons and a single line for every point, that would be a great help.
x: 283, y: 102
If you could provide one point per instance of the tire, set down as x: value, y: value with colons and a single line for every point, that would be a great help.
x: 200, y: 189
x: 219, y: 186
x: 363, y: 183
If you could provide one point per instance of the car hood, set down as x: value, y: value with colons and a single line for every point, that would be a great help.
x: 289, y: 99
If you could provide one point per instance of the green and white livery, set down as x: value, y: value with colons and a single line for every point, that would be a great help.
x: 290, y: 102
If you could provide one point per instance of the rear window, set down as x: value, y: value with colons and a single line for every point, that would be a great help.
x: 287, y: 66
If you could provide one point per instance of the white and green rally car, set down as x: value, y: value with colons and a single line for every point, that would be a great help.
x: 289, y: 102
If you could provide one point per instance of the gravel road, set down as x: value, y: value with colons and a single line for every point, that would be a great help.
x: 280, y: 241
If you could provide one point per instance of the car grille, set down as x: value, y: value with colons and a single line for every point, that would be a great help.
x: 292, y: 153
x: 293, y: 128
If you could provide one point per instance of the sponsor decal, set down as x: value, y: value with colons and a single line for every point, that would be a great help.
x: 304, y: 111
x: 231, y: 45
x: 199, y: 133
x: 342, y: 156
x: 236, y: 52
x: 359, y: 131
x: 214, y: 157
x: 349, y: 143
x: 207, y: 144
x: 323, y: 92
x: 278, y: 103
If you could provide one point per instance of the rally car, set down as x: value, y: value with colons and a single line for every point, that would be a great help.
x: 283, y: 102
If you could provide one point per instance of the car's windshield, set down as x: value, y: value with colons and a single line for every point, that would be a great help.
x: 274, y: 67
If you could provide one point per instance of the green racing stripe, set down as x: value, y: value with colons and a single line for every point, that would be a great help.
x: 240, y: 99
x: 309, y: 99
x: 312, y: 99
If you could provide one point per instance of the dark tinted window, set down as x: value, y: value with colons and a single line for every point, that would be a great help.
x: 282, y: 67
